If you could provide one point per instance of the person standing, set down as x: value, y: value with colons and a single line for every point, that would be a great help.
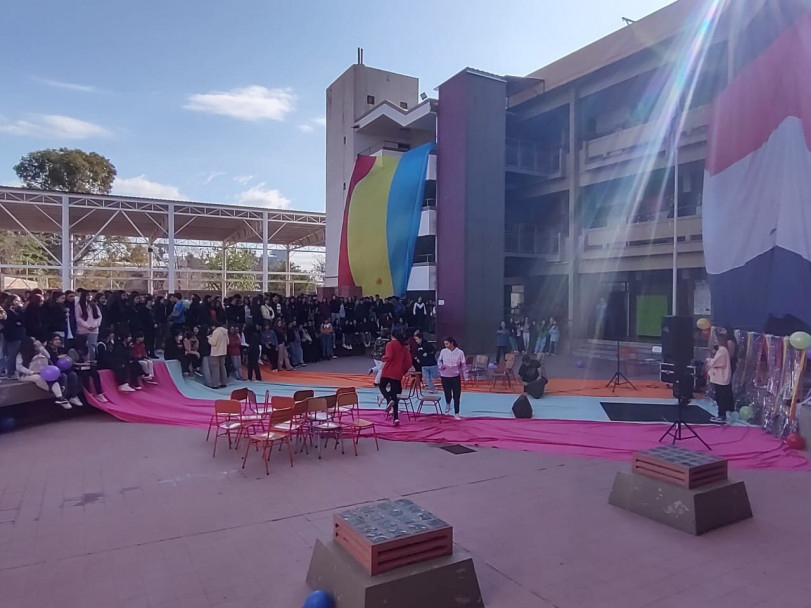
x: 254, y: 352
x: 426, y: 356
x: 452, y: 368
x: 235, y: 351
x: 219, y: 349
x: 88, y: 321
x: 418, y: 311
x: 525, y: 335
x: 13, y: 333
x: 396, y: 362
x: 502, y: 341
x: 377, y: 353
x: 719, y: 368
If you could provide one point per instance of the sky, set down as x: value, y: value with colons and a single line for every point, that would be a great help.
x: 224, y: 101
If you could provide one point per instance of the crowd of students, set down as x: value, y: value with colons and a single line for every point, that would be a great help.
x: 527, y: 336
x: 210, y: 336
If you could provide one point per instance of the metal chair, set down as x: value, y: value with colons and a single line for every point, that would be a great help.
x: 505, y: 371
x: 267, y: 439
x: 226, y: 420
x: 323, y: 428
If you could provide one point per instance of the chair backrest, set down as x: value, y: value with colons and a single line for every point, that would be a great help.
x: 282, y: 403
x: 480, y: 362
x: 301, y: 408
x: 250, y: 400
x: 302, y: 395
x: 345, y: 399
x: 344, y: 390
x: 509, y: 360
x: 317, y: 404
x: 227, y: 406
x: 240, y: 394
x: 281, y: 416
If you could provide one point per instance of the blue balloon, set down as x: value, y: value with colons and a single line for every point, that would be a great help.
x: 319, y: 599
x: 6, y: 425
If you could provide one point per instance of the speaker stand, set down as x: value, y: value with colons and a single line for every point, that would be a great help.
x: 680, y: 430
x: 619, y: 379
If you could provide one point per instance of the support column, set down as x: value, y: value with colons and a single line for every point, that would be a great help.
x: 150, y: 248
x: 170, y: 249
x: 573, y: 253
x: 288, y: 291
x: 67, y: 250
x: 224, y: 271
x: 265, y: 252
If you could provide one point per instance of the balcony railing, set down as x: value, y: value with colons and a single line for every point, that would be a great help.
x: 643, y: 238
x: 394, y: 146
x: 530, y: 239
x: 526, y: 156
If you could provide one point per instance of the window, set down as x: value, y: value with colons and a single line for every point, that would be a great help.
x: 404, y: 105
x: 370, y: 99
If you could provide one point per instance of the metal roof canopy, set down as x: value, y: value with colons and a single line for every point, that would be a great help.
x: 44, y: 211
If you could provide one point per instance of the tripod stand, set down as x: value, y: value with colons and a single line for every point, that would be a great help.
x: 619, y: 379
x: 680, y: 430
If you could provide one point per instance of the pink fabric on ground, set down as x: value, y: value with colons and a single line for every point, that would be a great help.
x: 745, y: 447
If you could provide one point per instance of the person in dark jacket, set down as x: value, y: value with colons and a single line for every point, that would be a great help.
x: 119, y: 361
x: 426, y: 357
x: 13, y: 333
x: 55, y: 316
x: 34, y: 318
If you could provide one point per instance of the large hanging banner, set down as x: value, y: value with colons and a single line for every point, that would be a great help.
x: 382, y: 221
x: 757, y: 190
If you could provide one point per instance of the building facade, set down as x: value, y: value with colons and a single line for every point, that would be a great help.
x: 564, y: 193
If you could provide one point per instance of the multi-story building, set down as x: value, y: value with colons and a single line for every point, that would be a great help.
x: 556, y: 191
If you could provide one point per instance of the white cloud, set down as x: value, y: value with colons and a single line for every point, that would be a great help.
x: 212, y: 176
x: 71, y: 86
x: 310, y: 126
x: 259, y: 196
x: 253, y: 103
x: 306, y: 128
x: 321, y: 121
x: 243, y: 179
x: 54, y: 126
x: 141, y: 186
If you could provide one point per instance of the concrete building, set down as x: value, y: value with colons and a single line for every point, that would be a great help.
x: 556, y: 191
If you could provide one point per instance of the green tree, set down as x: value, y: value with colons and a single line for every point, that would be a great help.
x: 238, y: 259
x: 66, y: 170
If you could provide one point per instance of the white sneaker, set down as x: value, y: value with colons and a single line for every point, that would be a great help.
x: 138, y: 388
x: 101, y: 399
x: 64, y: 404
x: 75, y: 401
x: 126, y: 388
x: 447, y: 409
x: 457, y: 417
x: 397, y: 422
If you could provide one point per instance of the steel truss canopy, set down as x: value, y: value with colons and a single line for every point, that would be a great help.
x: 155, y: 220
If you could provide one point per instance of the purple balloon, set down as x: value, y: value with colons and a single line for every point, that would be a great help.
x: 64, y: 364
x: 50, y: 373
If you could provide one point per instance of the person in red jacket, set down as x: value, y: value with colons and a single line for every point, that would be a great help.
x: 396, y: 362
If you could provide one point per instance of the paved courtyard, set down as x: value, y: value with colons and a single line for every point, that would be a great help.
x: 95, y: 512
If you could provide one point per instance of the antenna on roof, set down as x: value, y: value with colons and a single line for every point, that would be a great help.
x: 360, y: 56
x: 628, y: 21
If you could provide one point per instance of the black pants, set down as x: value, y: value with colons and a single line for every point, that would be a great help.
x: 724, y: 398
x: 500, y: 351
x: 391, y: 389
x: 86, y: 375
x: 453, y: 390
x: 253, y: 368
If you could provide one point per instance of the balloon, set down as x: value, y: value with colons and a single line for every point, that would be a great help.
x: 491, y: 365
x: 704, y: 324
x: 64, y: 364
x: 579, y: 364
x: 800, y: 340
x: 50, y: 373
x: 318, y: 599
x: 795, y: 441
x: 746, y: 412
x: 6, y: 425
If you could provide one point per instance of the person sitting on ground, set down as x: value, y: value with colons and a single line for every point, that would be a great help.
x: 124, y: 370
x: 140, y: 356
x: 32, y: 358
x: 530, y: 375
x: 85, y: 368
x: 191, y: 347
x: 68, y: 379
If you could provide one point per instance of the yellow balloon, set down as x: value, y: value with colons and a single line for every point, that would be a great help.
x: 800, y: 340
x: 704, y: 324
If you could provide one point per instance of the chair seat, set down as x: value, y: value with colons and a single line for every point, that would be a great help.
x: 431, y: 397
x: 320, y: 416
x: 362, y: 424
x: 250, y: 417
x: 286, y: 427
x: 230, y: 426
x: 346, y: 409
x: 327, y: 426
x: 268, y: 436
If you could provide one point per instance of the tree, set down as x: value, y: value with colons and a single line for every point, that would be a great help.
x: 66, y: 170
x: 237, y: 259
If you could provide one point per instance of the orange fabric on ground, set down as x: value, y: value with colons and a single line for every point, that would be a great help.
x: 558, y: 386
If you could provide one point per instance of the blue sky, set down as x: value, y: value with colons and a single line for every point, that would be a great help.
x: 224, y: 101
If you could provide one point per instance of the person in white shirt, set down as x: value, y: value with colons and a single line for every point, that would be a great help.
x: 452, y: 368
x: 719, y: 369
x: 219, y: 349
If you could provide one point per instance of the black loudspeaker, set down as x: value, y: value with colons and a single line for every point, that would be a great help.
x: 522, y: 407
x: 677, y: 340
